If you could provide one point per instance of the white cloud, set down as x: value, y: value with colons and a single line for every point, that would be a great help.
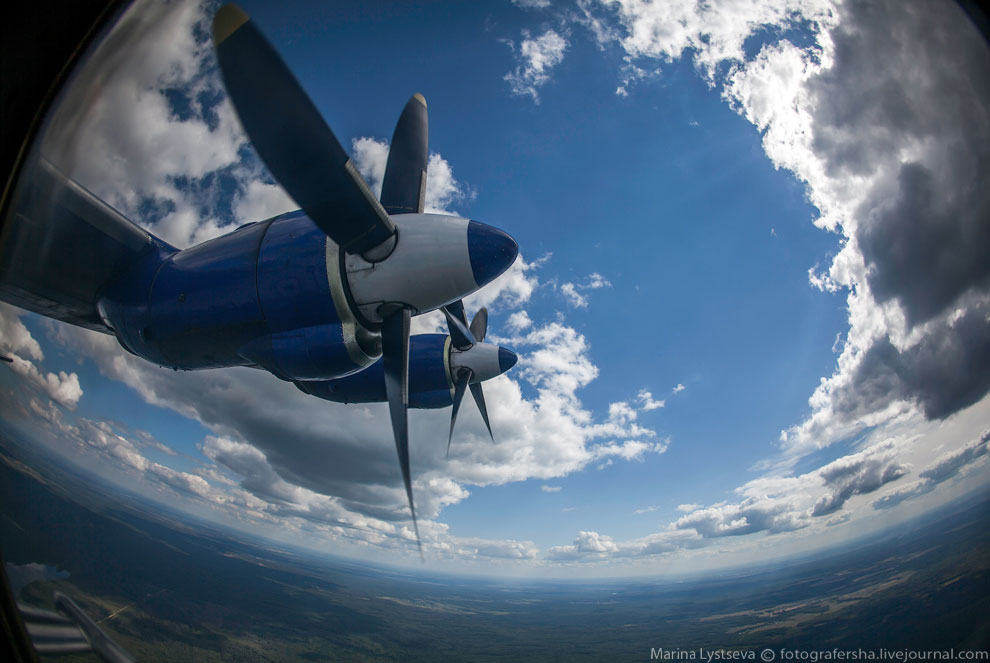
x: 586, y: 544
x: 767, y: 505
x: 518, y: 322
x: 262, y: 200
x: 535, y: 58
x: 945, y: 467
x: 896, y: 180
x: 370, y: 156
x: 713, y: 32
x: 891, y: 153
x: 532, y: 4
x: 442, y: 190
x: 679, y: 388
x: 15, y: 339
x: 572, y: 291
x: 61, y: 387
x: 647, y: 402
x: 550, y: 489
x: 148, y: 128
x: 573, y: 297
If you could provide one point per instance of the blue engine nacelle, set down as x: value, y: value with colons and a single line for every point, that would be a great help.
x: 269, y: 294
x: 429, y: 378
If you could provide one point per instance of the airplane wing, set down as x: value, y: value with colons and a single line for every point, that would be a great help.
x: 60, y: 245
x: 69, y: 631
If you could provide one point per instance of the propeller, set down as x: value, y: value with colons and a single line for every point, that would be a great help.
x: 395, y: 361
x: 479, y: 326
x: 403, y: 192
x: 465, y: 339
x: 463, y: 378
x: 460, y: 334
x: 404, y: 185
x: 292, y: 139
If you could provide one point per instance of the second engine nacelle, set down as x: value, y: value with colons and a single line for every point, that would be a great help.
x: 430, y: 385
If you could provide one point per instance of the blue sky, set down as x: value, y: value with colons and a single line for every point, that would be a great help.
x: 735, y: 330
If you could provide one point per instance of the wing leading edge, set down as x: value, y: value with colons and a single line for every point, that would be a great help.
x: 60, y: 245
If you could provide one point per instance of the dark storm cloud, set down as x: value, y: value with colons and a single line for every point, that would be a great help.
x: 932, y: 242
x: 907, y: 103
x: 913, y: 73
x: 947, y: 370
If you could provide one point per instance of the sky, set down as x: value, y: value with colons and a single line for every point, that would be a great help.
x: 751, y: 307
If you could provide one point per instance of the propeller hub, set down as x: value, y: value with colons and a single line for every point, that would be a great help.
x: 491, y: 251
x: 506, y: 359
x: 436, y: 260
x: 484, y: 360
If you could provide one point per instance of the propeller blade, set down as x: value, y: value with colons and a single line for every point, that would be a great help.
x: 479, y: 400
x: 479, y: 326
x: 404, y: 186
x: 395, y: 360
x: 460, y: 386
x: 292, y: 138
x: 460, y: 334
x: 457, y: 310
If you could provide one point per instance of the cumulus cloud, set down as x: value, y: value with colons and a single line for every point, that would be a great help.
x: 892, y: 153
x: 261, y: 498
x: 532, y: 4
x: 573, y: 297
x: 573, y: 292
x: 857, y: 475
x: 767, y: 505
x: 945, y: 467
x: 62, y: 387
x: 647, y: 402
x: 518, y: 321
x: 587, y: 544
x: 535, y: 57
x: 833, y: 484
x: 148, y: 128
x: 442, y: 189
x: 15, y: 341
x: 591, y: 547
x: 883, y: 111
x: 714, y: 33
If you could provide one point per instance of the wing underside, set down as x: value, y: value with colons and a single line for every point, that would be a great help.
x: 60, y: 245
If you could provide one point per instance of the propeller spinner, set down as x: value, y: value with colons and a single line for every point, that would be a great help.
x: 399, y: 261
